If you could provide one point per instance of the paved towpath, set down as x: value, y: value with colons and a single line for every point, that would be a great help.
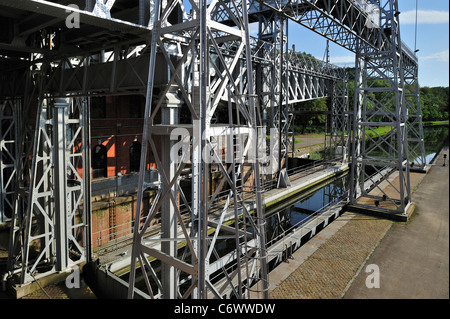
x: 412, y: 258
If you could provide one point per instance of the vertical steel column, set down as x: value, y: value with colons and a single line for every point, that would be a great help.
x: 272, y: 30
x: 53, y: 234
x: 339, y: 119
x: 279, y: 110
x: 60, y: 176
x: 38, y: 225
x: 355, y: 186
x: 201, y: 179
x: 169, y: 227
x: 260, y: 219
x: 137, y: 237
x: 86, y: 188
x: 416, y: 146
x: 266, y: 74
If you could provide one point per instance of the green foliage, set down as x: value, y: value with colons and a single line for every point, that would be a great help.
x: 311, y: 122
x: 434, y: 103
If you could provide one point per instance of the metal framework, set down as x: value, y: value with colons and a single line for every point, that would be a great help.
x: 50, y: 225
x: 213, y: 93
x: 8, y: 153
x: 343, y: 22
x: 339, y: 130
x: 215, y: 53
x: 416, y: 145
x: 380, y: 100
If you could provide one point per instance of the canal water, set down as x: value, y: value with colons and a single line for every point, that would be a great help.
x: 435, y: 137
x: 281, y: 220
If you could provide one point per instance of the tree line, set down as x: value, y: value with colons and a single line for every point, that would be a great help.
x: 434, y: 102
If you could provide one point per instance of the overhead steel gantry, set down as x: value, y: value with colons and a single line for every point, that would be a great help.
x: 194, y: 56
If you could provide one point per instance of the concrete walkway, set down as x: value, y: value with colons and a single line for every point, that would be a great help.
x: 412, y: 258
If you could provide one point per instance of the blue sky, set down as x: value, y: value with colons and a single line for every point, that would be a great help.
x: 432, y: 40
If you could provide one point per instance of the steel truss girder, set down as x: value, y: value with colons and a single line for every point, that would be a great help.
x: 342, y: 21
x: 122, y: 69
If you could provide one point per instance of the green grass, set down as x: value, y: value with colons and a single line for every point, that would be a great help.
x: 382, y: 130
x: 431, y: 123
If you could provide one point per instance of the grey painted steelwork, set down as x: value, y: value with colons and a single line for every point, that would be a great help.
x: 9, y: 126
x: 213, y: 51
x: 381, y: 105
x: 203, y: 61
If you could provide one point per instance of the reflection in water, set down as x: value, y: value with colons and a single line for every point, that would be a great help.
x: 434, y: 137
x: 284, y: 220
x: 288, y: 218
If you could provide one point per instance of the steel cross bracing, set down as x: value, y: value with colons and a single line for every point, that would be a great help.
x: 338, y: 130
x: 416, y: 145
x: 201, y: 265
x: 8, y: 153
x: 110, y: 54
x: 121, y: 68
x: 50, y: 227
x: 384, y: 103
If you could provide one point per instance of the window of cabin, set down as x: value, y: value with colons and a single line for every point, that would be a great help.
x: 136, y: 106
x: 99, y: 162
x: 98, y: 107
x: 135, y: 156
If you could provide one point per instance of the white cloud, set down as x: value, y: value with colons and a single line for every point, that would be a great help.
x: 441, y: 56
x: 424, y: 17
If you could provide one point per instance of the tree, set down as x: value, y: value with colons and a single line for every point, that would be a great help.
x: 434, y: 103
x: 311, y: 121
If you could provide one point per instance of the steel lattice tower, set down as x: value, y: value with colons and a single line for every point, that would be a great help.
x: 191, y: 59
x: 380, y: 100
